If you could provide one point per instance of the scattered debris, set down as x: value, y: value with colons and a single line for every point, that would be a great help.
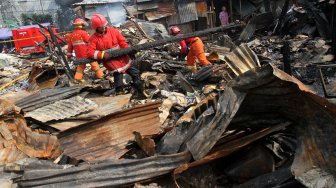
x: 258, y: 116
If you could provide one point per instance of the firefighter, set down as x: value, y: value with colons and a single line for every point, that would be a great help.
x: 78, y: 41
x: 110, y: 38
x: 194, y: 49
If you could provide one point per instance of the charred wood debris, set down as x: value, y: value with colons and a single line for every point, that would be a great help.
x: 261, y: 116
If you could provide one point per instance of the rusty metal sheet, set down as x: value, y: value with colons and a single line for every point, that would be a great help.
x: 107, y: 137
x: 164, y: 10
x: 202, y: 8
x: 11, y: 154
x: 18, y: 141
x: 62, y: 109
x: 106, y: 105
x: 103, y: 174
x: 45, y: 97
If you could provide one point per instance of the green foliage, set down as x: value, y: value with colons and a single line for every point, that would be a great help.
x: 24, y: 18
x: 41, y: 18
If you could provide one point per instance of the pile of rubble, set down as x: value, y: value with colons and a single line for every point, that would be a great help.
x: 241, y: 122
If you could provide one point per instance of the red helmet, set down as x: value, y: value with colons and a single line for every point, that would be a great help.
x: 175, y: 30
x: 79, y: 21
x: 98, y: 20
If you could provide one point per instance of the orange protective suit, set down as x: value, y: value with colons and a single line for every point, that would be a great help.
x: 78, y: 42
x: 196, y: 51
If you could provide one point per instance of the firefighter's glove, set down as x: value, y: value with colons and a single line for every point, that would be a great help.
x: 106, y: 56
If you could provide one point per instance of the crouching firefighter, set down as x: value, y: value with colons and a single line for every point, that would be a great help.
x: 110, y: 38
x: 78, y: 41
x: 193, y: 48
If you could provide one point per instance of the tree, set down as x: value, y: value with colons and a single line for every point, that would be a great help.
x: 41, y: 18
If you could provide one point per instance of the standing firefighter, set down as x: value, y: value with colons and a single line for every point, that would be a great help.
x: 78, y: 41
x: 194, y: 49
x: 110, y: 38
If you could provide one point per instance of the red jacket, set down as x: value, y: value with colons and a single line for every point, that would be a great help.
x: 185, y: 44
x: 112, y: 39
x: 77, y: 41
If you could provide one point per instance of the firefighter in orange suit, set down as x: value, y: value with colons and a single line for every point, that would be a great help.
x: 78, y: 41
x: 194, y: 49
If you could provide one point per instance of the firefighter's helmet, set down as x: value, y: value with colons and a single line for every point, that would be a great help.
x: 79, y: 21
x: 98, y: 20
x: 175, y: 30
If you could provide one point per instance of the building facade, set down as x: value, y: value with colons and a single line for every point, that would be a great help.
x: 11, y: 10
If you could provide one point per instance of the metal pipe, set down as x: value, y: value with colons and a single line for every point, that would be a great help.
x: 117, y: 53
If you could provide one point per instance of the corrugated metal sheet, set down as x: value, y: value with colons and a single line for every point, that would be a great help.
x: 62, y: 109
x: 45, y: 97
x: 107, y: 137
x: 18, y: 141
x: 187, y: 10
x: 106, y: 105
x: 151, y: 29
x: 104, y: 174
x: 242, y: 59
x: 174, y: 19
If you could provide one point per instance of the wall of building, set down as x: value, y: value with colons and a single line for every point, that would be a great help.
x: 12, y: 9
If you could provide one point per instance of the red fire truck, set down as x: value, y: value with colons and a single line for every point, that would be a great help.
x: 27, y: 38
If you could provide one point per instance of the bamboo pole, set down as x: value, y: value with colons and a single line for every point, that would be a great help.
x: 13, y: 81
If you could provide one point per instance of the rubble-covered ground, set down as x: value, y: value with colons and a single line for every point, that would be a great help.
x: 241, y: 122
